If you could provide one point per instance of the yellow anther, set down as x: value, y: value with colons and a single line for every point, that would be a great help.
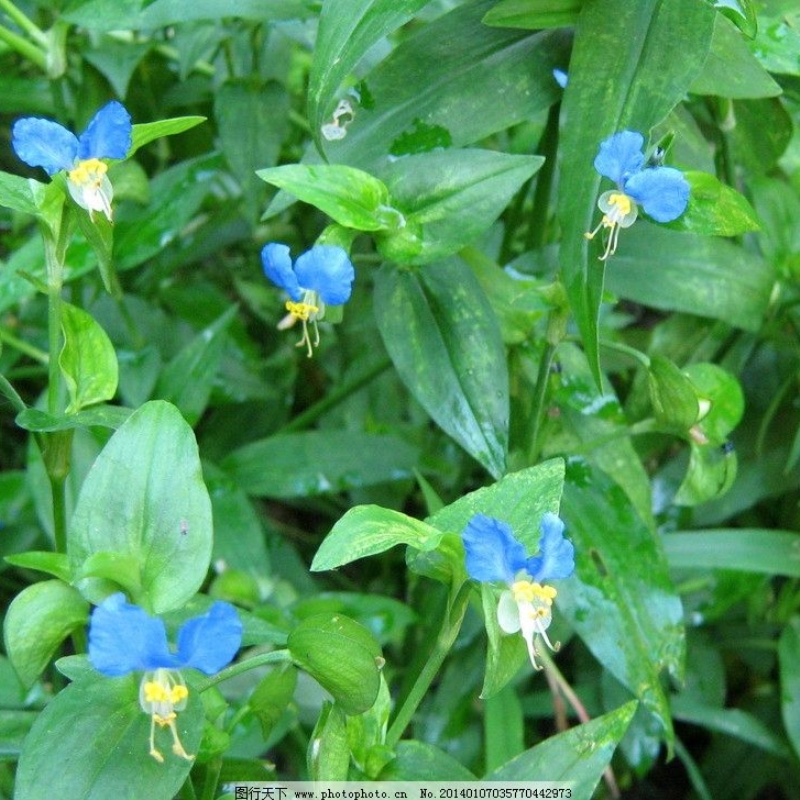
x: 155, y: 692
x: 621, y: 202
x: 301, y: 311
x: 179, y: 693
x: 90, y: 171
x: 529, y: 592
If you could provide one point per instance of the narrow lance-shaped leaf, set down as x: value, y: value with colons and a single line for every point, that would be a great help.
x: 623, y: 75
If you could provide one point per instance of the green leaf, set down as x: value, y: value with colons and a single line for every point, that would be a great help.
x: 99, y: 233
x: 33, y: 419
x: 252, y: 119
x: 368, y: 530
x: 724, y: 400
x: 270, y: 698
x: 715, y: 209
x: 520, y: 498
x: 15, y: 193
x: 503, y: 727
x: 741, y: 12
x: 154, y: 457
x: 39, y: 618
x: 789, y: 663
x: 318, y: 462
x: 534, y: 14
x: 634, y: 90
x: 449, y: 198
x: 117, y: 60
x: 421, y: 761
x: 672, y: 394
x: 579, y: 755
x: 679, y: 272
x: 188, y: 379
x: 452, y: 82
x: 88, y: 360
x: 446, y: 344
x: 761, y: 134
x: 342, y: 655
x: 768, y: 552
x: 347, y: 30
x: 147, y: 132
x: 731, y: 69
x: 56, y: 564
x: 731, y: 721
x: 120, y: 568
x: 626, y: 610
x: 711, y: 472
x: 778, y: 40
x: 91, y: 741
x: 349, y: 196
x: 328, y: 756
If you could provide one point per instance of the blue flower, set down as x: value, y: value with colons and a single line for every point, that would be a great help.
x: 44, y: 143
x: 561, y: 78
x: 124, y: 638
x: 662, y: 192
x: 321, y: 276
x: 494, y: 554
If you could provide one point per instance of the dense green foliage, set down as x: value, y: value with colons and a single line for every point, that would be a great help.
x: 162, y: 437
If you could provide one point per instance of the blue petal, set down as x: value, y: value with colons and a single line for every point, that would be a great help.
x: 327, y: 270
x: 108, y: 134
x: 556, y: 557
x: 210, y: 642
x: 561, y: 78
x: 277, y: 265
x: 124, y: 638
x: 44, y: 143
x: 620, y: 156
x: 663, y: 192
x: 493, y: 554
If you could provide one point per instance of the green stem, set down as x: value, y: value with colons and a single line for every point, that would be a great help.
x: 55, y: 273
x: 451, y: 625
x: 24, y: 47
x: 537, y: 405
x: 548, y: 146
x: 619, y: 347
x: 27, y: 349
x: 187, y: 790
x: 312, y: 413
x: 273, y: 657
x: 637, y: 429
x: 25, y: 24
x: 58, y: 489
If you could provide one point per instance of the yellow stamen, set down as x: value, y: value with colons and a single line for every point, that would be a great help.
x: 301, y: 310
x: 89, y: 186
x: 161, y: 694
x: 527, y: 591
x: 619, y: 211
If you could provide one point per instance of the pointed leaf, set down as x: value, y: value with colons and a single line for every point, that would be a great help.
x: 579, y: 755
x: 789, y: 661
x: 154, y: 457
x: 625, y: 609
x: 634, y: 90
x: 15, y: 193
x: 147, y: 132
x: 347, y: 30
x: 446, y: 344
x: 88, y: 360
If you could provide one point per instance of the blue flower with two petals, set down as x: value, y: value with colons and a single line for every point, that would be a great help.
x: 124, y: 638
x: 322, y: 276
x: 662, y: 192
x: 493, y: 554
x: 44, y: 143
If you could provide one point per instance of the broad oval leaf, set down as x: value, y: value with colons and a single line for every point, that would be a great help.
x: 342, y: 655
x: 39, y: 618
x: 91, y: 741
x: 144, y: 499
x: 445, y: 342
